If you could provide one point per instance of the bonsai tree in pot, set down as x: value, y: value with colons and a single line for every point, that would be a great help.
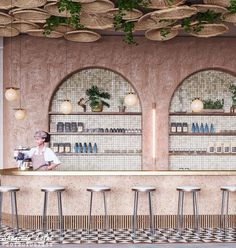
x: 96, y: 98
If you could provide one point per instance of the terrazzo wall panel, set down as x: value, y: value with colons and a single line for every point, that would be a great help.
x: 154, y: 69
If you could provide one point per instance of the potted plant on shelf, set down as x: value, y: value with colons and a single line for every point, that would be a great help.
x: 96, y: 98
x: 213, y: 106
x: 232, y: 89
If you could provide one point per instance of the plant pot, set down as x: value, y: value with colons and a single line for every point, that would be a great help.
x: 97, y: 108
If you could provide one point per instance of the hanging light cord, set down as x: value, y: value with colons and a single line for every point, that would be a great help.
x: 20, y: 73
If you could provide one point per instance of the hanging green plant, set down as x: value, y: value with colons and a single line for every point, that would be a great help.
x: 200, y: 18
x: 232, y: 7
x: 74, y: 8
x: 164, y: 32
x: 127, y: 26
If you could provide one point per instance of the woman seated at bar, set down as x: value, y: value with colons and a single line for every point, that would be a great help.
x: 43, y: 158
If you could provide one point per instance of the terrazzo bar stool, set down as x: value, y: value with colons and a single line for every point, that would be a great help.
x: 182, y: 190
x: 58, y: 190
x: 12, y: 190
x: 137, y: 190
x: 225, y: 204
x: 97, y: 189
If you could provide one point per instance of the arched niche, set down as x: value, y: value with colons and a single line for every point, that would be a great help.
x: 118, y: 149
x: 76, y: 84
x: 190, y: 151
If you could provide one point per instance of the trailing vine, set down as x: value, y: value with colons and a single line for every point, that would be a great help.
x: 74, y: 8
x: 232, y: 7
x: 200, y: 18
x: 127, y: 26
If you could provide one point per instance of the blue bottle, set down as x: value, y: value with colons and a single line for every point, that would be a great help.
x: 193, y: 128
x: 206, y: 129
x: 80, y: 148
x: 89, y: 150
x: 196, y: 128
x: 95, y: 149
x: 76, y: 147
x: 201, y: 130
x: 212, y: 129
x: 84, y: 150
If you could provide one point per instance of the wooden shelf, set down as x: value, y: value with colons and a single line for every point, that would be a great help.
x: 98, y: 113
x: 97, y: 154
x: 194, y: 153
x: 202, y: 114
x: 204, y: 134
x: 86, y: 133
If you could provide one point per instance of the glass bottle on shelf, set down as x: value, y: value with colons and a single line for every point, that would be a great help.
x: 76, y: 147
x: 193, y: 128
x: 84, y: 148
x: 212, y: 128
x: 201, y: 130
x: 89, y: 149
x: 206, y: 129
x: 196, y: 128
x: 95, y: 149
x: 80, y: 148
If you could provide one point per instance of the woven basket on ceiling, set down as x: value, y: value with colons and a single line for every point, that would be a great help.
x: 63, y: 28
x: 96, y: 21
x: 146, y: 22
x: 82, y: 36
x: 128, y: 15
x: 5, y: 18
x: 23, y: 26
x: 6, y: 31
x: 28, y: 3
x: 211, y: 30
x: 52, y: 8
x: 174, y: 13
x: 163, y: 4
x: 40, y: 33
x: 99, y: 6
x: 156, y: 34
x: 32, y: 15
x: 83, y: 1
x: 228, y: 17
x: 223, y: 3
x: 206, y: 7
x: 6, y: 4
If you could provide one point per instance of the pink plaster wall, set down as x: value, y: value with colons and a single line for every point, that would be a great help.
x: 155, y: 70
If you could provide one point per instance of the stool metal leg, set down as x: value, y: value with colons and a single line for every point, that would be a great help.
x: 178, y: 211
x: 13, y: 211
x: 222, y: 219
x: 195, y: 210
x: 0, y: 209
x: 135, y: 212
x: 16, y: 213
x: 45, y: 211
x: 182, y: 210
x: 150, y: 213
x: 227, y: 209
x: 105, y: 210
x: 90, y: 211
x: 61, y: 221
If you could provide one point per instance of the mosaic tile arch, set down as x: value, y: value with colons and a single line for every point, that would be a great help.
x: 102, y: 141
x: 205, y: 141
x: 76, y: 84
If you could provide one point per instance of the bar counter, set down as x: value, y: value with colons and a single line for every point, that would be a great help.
x: 16, y: 172
x: 75, y: 199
